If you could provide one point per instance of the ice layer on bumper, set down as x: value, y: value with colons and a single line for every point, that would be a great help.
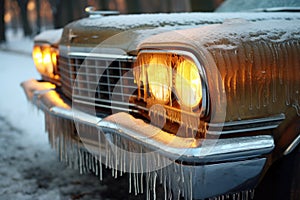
x: 207, y: 168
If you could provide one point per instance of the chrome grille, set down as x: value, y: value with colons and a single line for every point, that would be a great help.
x: 103, y: 81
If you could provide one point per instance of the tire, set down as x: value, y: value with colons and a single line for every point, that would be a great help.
x: 282, y: 181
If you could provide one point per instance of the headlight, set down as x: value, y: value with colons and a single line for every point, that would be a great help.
x: 166, y: 76
x: 188, y: 83
x: 159, y: 79
x: 45, y: 60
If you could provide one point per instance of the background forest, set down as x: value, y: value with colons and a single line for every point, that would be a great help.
x: 33, y: 16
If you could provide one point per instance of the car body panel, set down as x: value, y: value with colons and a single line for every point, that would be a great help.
x: 92, y: 32
x: 238, y: 49
x: 250, y: 62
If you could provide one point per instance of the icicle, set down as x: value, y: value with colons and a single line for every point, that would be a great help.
x: 96, y: 167
x: 247, y: 195
x: 106, y: 154
x: 154, y: 185
x: 178, y: 194
x: 100, y: 171
x: 181, y: 172
x: 252, y: 194
x: 124, y: 161
x: 142, y: 168
x: 130, y: 183
x: 138, y: 183
x: 134, y: 183
x: 121, y: 163
x: 80, y: 162
x: 100, y: 154
x: 169, y: 181
x: 142, y: 184
x: 114, y: 153
x: 191, y: 185
x: 165, y: 186
x: 147, y: 186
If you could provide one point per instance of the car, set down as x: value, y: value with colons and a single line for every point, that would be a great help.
x: 207, y: 104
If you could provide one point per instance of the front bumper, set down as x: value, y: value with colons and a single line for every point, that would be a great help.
x: 212, y: 166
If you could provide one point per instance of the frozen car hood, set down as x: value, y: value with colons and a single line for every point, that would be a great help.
x: 127, y: 31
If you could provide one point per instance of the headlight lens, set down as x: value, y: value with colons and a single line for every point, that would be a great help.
x: 45, y: 60
x: 188, y: 83
x: 165, y: 73
x: 159, y: 79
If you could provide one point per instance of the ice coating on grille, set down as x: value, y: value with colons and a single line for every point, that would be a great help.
x: 258, y: 63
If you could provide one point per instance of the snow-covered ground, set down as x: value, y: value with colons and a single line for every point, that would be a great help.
x: 29, y: 168
x: 17, y: 43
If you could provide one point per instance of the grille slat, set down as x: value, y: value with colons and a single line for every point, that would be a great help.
x: 98, y: 82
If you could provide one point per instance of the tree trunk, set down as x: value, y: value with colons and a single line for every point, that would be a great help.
x: 38, y: 15
x: 66, y: 11
x: 2, y: 22
x: 133, y: 6
x: 203, y: 5
x: 63, y: 14
x: 180, y: 6
x: 103, y: 4
x: 24, y: 17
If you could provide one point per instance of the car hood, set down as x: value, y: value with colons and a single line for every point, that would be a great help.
x: 126, y: 32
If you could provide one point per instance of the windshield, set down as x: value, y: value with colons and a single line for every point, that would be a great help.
x: 260, y: 5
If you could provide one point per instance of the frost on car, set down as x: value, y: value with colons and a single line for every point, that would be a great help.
x: 202, y: 103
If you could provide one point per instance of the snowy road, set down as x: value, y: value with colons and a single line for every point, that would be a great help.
x: 29, y: 168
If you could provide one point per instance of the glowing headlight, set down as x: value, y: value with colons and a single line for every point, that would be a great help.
x: 159, y: 79
x: 188, y: 83
x: 162, y: 74
x: 44, y: 58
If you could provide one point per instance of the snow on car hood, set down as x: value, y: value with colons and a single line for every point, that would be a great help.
x: 230, y: 32
x: 49, y: 36
x: 127, y: 31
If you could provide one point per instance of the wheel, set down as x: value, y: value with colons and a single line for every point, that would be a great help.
x: 282, y: 181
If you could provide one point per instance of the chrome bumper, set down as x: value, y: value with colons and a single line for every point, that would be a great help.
x: 218, y: 166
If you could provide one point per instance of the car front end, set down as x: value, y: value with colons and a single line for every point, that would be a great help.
x: 203, y: 103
